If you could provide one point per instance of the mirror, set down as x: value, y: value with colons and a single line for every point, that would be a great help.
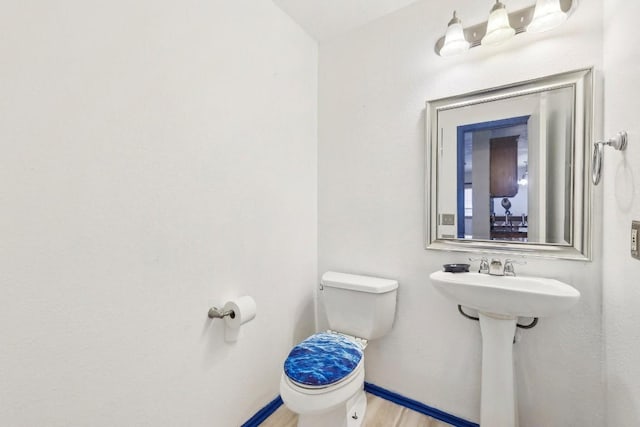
x: 507, y: 169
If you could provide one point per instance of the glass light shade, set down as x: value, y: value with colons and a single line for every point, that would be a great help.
x: 498, y: 27
x: 454, y: 41
x: 547, y: 15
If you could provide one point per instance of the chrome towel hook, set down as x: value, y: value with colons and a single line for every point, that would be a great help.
x: 619, y: 142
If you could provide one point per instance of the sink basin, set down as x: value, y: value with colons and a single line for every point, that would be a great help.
x: 500, y: 300
x: 507, y: 295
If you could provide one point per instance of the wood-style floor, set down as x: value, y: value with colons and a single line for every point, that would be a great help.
x: 380, y: 413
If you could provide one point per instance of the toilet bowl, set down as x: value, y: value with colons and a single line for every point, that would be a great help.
x: 321, y: 400
x: 323, y: 376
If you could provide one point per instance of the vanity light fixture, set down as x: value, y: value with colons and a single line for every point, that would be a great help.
x: 547, y: 16
x: 542, y: 16
x: 498, y: 27
x: 454, y: 41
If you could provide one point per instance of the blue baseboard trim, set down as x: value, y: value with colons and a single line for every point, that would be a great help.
x: 417, y: 406
x: 396, y: 398
x: 264, y: 413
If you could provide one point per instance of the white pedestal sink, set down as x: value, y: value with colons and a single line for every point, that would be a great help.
x: 500, y: 300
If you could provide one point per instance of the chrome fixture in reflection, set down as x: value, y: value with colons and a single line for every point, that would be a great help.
x: 501, y: 25
x: 524, y: 180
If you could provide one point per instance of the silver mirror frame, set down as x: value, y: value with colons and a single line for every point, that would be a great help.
x: 580, y: 248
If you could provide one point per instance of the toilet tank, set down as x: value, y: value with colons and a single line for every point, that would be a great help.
x: 361, y: 306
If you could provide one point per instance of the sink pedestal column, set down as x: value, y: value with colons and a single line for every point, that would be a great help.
x: 497, y: 399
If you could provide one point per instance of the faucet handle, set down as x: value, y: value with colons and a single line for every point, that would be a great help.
x: 508, y: 266
x: 484, y: 264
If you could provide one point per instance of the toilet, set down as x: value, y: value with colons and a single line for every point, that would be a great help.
x: 323, y: 376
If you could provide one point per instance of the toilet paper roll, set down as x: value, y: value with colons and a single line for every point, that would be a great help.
x: 244, y: 310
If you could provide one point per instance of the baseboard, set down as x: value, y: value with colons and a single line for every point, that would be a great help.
x: 396, y: 398
x: 417, y: 406
x: 264, y: 413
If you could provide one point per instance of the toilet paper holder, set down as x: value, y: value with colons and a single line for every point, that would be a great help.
x: 235, y: 312
x: 220, y: 313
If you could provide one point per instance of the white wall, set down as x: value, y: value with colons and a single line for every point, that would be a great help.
x: 156, y: 158
x: 621, y: 184
x: 373, y: 84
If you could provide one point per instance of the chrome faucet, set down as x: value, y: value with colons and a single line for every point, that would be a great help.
x: 484, y: 264
x: 495, y: 268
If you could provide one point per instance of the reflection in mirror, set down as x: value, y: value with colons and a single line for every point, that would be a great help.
x: 497, y: 208
x: 507, y: 167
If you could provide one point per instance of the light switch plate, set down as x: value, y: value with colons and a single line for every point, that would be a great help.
x: 635, y: 239
x: 447, y: 219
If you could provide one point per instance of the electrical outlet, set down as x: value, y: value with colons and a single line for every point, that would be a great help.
x: 635, y: 236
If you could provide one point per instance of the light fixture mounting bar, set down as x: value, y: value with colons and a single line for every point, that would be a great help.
x: 518, y: 20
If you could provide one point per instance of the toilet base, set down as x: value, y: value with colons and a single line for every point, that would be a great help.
x: 356, y: 408
x: 350, y: 414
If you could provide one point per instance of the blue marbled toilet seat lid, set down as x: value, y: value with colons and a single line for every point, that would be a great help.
x: 322, y: 359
